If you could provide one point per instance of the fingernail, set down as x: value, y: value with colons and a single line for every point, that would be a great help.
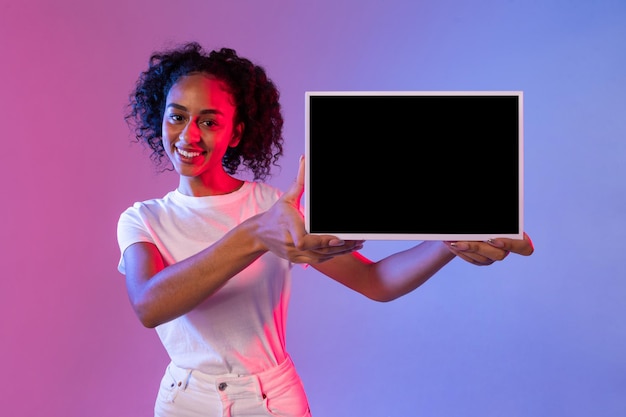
x: 460, y: 245
x: 495, y: 243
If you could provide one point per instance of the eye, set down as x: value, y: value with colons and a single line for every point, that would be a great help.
x: 209, y: 123
x: 175, y: 118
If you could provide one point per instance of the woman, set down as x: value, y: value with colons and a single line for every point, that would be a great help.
x: 208, y: 265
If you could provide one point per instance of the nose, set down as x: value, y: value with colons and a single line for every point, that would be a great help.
x: 191, y: 132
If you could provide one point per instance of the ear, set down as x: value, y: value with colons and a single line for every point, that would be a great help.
x: 237, y: 134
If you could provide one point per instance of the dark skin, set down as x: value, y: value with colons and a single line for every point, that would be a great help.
x: 197, y: 129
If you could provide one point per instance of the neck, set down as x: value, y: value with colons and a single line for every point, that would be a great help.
x: 198, y: 187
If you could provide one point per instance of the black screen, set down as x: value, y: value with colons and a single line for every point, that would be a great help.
x: 414, y: 164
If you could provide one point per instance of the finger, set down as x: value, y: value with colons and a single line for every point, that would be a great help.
x: 348, y: 247
x: 300, y: 176
x: 523, y: 246
x: 294, y: 193
x: 317, y: 242
x: 292, y: 197
x: 296, y: 231
x: 474, y: 258
x: 323, y: 255
x: 310, y: 259
x: 479, y: 251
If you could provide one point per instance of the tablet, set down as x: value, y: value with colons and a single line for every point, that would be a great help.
x: 414, y: 165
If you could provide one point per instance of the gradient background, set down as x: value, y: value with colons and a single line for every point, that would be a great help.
x: 537, y: 336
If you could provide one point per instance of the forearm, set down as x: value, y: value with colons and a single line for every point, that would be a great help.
x: 391, y: 277
x: 403, y: 272
x: 174, y: 290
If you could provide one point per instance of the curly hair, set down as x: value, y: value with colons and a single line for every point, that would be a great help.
x: 255, y: 97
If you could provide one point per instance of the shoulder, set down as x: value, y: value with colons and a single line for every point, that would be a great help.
x: 148, y: 206
x: 264, y: 192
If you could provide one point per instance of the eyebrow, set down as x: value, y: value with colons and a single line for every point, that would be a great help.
x: 183, y: 108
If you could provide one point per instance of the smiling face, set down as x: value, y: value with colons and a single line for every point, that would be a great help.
x: 197, y: 130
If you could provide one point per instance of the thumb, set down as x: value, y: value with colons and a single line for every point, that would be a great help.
x: 294, y: 193
x: 520, y: 246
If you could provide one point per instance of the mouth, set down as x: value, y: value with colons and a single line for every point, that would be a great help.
x: 188, y: 154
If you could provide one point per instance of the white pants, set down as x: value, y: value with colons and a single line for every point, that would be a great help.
x: 277, y: 392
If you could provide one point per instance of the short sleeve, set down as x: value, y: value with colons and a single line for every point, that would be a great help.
x: 131, y: 228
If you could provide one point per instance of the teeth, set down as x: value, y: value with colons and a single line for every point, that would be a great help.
x: 187, y: 154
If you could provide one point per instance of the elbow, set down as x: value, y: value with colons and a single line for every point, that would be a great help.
x: 147, y: 316
x: 148, y: 322
x: 386, y: 299
x: 147, y: 319
x: 383, y: 296
x: 150, y: 309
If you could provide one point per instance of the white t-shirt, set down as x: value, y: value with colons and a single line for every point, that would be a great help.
x: 240, y: 329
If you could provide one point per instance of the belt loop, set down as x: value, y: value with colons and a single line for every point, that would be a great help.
x: 187, y: 379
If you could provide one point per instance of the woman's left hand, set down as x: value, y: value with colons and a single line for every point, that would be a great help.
x: 486, y: 253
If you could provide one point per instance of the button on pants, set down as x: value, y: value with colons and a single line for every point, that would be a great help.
x: 275, y: 392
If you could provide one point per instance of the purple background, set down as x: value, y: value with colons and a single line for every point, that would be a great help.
x: 538, y: 336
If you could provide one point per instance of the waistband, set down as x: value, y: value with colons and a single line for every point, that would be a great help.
x: 277, y: 375
x: 268, y: 373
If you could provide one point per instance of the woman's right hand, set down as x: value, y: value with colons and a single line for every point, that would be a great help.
x: 282, y: 231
